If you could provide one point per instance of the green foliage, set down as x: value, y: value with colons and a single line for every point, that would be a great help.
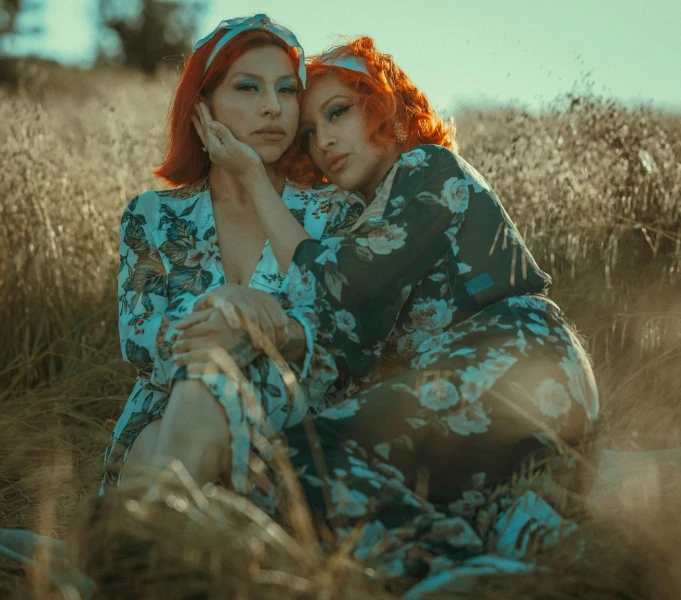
x: 151, y: 31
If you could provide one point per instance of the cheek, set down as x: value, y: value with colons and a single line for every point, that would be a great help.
x: 314, y: 155
x: 232, y: 111
x: 229, y: 114
x: 360, y: 137
x: 291, y: 110
x: 316, y: 158
x: 370, y: 149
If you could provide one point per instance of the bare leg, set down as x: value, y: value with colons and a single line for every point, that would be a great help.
x: 193, y: 430
x: 140, y: 455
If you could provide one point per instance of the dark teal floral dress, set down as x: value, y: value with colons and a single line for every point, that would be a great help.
x: 450, y: 367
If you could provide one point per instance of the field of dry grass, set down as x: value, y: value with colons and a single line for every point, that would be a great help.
x: 595, y: 189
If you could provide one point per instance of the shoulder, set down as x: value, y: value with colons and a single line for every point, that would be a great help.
x: 437, y: 158
x: 427, y: 155
x: 139, y: 207
x: 421, y: 166
x: 153, y: 203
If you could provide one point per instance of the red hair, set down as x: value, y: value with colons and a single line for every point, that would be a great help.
x: 389, y: 98
x: 185, y: 163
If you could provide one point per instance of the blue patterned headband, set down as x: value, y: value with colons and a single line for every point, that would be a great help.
x: 261, y: 22
x: 335, y: 58
x: 352, y: 63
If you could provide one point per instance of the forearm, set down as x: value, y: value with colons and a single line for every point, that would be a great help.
x: 243, y: 352
x: 293, y: 351
x: 283, y: 231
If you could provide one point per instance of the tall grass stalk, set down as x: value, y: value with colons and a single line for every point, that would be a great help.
x: 594, y: 187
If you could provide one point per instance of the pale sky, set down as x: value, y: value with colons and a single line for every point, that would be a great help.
x: 462, y: 52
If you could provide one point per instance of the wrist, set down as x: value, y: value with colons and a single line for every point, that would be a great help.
x: 253, y: 178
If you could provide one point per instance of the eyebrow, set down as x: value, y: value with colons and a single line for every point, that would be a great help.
x: 258, y: 77
x: 322, y: 108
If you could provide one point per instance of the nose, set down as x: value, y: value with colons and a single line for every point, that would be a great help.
x: 270, y: 106
x: 325, y: 139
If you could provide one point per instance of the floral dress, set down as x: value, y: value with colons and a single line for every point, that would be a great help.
x: 434, y: 313
x: 169, y: 257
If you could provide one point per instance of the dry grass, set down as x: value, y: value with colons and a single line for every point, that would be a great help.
x: 595, y: 189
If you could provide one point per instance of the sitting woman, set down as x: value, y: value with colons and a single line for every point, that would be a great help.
x: 432, y: 315
x: 210, y: 237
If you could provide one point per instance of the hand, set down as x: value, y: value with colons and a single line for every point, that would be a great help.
x: 244, y: 308
x: 208, y: 344
x: 223, y: 148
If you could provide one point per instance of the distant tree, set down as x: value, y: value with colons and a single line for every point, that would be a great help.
x: 9, y: 9
x: 11, y: 25
x: 150, y: 31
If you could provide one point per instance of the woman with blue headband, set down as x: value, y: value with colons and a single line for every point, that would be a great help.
x: 432, y: 308
x: 184, y: 251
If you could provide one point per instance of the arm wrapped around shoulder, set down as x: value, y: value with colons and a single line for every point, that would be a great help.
x: 430, y: 205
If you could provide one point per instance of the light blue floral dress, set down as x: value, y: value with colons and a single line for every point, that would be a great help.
x: 169, y: 257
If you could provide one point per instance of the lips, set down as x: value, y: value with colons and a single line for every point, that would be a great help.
x: 271, y: 135
x: 271, y: 131
x: 336, y: 162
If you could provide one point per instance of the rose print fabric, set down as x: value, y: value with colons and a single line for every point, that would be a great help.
x: 434, y: 247
x: 433, y: 312
x: 169, y: 257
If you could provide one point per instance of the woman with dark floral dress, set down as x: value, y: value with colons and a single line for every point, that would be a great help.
x: 451, y: 365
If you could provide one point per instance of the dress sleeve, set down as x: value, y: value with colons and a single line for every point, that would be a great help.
x: 143, y: 302
x: 348, y: 289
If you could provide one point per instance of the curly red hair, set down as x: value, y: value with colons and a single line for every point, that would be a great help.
x: 389, y: 98
x: 185, y: 163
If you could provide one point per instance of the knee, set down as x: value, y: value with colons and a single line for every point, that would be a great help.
x: 142, y: 449
x: 576, y: 423
x: 188, y: 389
x: 194, y: 416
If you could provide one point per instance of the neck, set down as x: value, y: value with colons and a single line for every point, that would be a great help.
x: 382, y: 169
x: 228, y: 191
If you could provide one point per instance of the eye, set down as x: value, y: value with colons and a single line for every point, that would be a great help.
x: 289, y: 89
x: 337, y: 111
x: 246, y: 86
x: 305, y: 136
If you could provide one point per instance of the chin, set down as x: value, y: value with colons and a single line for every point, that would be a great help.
x: 270, y: 154
x: 344, y: 180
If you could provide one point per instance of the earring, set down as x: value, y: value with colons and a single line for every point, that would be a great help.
x: 400, y: 133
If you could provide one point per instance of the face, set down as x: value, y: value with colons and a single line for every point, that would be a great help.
x: 333, y: 126
x: 258, y: 102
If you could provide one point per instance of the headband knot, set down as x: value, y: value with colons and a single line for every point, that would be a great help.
x: 257, y: 22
